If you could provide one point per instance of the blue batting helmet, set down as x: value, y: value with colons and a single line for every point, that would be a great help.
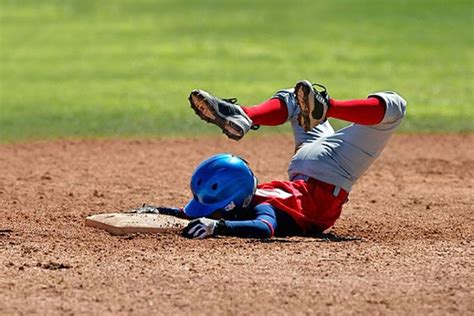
x: 221, y: 182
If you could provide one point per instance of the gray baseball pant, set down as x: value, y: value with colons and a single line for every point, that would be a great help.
x: 340, y: 158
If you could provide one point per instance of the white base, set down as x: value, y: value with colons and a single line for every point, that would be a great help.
x: 127, y: 223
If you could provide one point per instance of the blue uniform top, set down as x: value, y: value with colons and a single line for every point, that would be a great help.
x: 263, y: 221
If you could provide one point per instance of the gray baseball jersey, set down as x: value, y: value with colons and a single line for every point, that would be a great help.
x: 341, y: 157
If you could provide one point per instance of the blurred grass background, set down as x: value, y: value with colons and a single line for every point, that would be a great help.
x: 73, y: 68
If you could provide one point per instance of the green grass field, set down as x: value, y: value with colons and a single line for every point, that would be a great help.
x: 125, y: 68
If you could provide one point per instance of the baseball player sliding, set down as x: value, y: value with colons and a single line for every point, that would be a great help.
x: 227, y: 200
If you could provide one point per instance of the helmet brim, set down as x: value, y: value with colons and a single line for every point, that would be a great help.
x: 194, y: 209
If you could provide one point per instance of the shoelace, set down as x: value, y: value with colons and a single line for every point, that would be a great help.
x: 231, y: 100
x: 234, y: 101
x: 325, y: 91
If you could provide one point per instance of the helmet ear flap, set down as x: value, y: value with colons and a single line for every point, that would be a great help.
x: 251, y: 171
x: 247, y: 201
x: 249, y: 198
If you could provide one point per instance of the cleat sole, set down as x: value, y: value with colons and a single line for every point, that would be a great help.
x: 302, y: 92
x: 310, y: 115
x: 206, y: 112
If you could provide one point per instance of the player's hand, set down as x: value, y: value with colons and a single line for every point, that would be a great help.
x: 164, y: 210
x: 173, y: 211
x: 200, y: 228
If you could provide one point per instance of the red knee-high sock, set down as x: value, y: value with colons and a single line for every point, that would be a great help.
x: 365, y: 111
x: 269, y: 113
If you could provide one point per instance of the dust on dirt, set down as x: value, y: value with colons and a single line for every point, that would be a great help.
x: 403, y: 244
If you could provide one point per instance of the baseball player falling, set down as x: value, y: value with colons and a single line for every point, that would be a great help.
x: 227, y: 200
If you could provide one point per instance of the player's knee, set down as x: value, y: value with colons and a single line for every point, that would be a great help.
x: 288, y: 97
x: 396, y: 106
x: 399, y: 105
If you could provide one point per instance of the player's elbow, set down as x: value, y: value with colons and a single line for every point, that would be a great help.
x: 267, y: 228
x: 267, y: 234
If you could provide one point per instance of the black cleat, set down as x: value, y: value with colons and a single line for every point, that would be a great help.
x: 312, y: 103
x: 225, y: 113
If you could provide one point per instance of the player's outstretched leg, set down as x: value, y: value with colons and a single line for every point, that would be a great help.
x: 225, y: 113
x: 235, y: 120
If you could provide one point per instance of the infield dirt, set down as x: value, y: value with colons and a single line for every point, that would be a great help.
x: 405, y: 241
